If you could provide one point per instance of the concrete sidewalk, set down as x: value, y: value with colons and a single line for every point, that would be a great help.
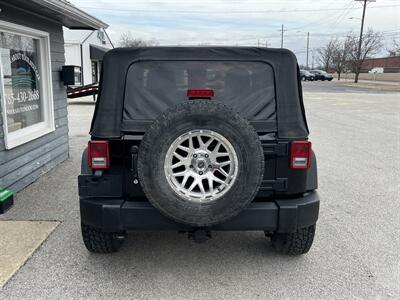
x: 18, y: 241
x: 390, y: 86
x: 384, y: 77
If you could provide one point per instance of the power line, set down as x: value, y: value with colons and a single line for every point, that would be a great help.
x: 325, y: 19
x: 344, y: 14
x: 227, y: 11
x: 273, y: 36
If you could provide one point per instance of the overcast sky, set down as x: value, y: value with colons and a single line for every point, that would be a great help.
x: 243, y: 22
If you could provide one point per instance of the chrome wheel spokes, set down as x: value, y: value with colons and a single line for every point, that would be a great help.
x: 201, y: 165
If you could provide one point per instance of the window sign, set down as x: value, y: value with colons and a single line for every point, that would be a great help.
x: 21, y: 80
x: 25, y: 87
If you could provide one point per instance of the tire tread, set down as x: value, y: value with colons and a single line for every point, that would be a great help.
x: 98, y: 241
x: 294, y: 243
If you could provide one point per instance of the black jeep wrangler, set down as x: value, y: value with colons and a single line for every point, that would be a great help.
x: 198, y: 139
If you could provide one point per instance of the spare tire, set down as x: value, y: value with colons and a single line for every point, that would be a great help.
x: 200, y: 163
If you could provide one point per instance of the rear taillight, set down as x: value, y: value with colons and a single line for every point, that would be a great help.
x: 98, y: 154
x: 300, y: 155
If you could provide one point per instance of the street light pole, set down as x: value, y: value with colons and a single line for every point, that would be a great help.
x: 308, y: 47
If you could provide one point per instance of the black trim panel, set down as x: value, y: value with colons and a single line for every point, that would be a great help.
x: 282, y: 215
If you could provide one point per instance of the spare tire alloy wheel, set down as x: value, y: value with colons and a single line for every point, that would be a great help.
x: 200, y: 163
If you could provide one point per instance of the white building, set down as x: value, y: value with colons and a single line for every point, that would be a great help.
x: 86, y: 49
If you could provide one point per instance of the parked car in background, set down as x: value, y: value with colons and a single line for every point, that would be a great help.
x: 306, y: 75
x: 321, y: 75
x: 377, y: 70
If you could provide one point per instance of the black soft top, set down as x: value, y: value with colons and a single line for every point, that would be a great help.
x: 107, y: 119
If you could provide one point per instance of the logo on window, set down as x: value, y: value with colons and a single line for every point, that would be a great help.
x: 22, y: 78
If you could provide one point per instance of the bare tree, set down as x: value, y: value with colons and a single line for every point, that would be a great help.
x: 325, y: 54
x: 395, y: 49
x: 127, y: 40
x: 371, y: 44
x: 340, y: 55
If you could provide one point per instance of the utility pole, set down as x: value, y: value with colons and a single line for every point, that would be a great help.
x: 282, y: 31
x: 308, y: 47
x: 360, y: 40
x: 266, y: 43
x: 312, y: 56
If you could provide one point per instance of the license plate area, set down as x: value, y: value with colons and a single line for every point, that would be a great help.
x: 100, y: 186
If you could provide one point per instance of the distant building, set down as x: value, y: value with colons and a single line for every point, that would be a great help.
x: 390, y: 64
x: 86, y: 49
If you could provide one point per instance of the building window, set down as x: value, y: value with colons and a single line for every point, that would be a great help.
x: 25, y: 84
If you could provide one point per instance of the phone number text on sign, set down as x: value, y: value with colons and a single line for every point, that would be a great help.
x: 23, y: 96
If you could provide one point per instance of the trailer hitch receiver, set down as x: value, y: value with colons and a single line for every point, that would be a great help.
x: 199, y: 235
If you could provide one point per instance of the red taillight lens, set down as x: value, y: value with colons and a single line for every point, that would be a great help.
x: 98, y: 154
x: 207, y: 93
x: 300, y: 155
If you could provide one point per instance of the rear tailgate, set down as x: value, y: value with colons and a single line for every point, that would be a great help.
x: 279, y: 178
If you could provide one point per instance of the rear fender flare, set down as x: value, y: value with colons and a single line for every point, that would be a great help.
x: 312, y: 174
x: 84, y: 163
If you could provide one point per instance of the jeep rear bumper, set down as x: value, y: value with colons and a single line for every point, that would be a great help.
x: 116, y: 214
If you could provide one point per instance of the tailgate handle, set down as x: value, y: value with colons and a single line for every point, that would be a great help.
x: 134, y: 155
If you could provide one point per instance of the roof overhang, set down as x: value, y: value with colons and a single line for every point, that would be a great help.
x: 59, y: 11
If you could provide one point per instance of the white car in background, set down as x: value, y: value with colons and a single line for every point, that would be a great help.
x: 376, y: 71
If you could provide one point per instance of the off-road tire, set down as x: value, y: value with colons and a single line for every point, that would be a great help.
x: 207, y: 115
x: 97, y: 241
x: 295, y: 243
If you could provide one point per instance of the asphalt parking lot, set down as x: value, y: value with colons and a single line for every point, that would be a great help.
x: 356, y: 135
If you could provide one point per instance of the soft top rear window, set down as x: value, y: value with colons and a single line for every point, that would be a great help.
x: 154, y: 86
